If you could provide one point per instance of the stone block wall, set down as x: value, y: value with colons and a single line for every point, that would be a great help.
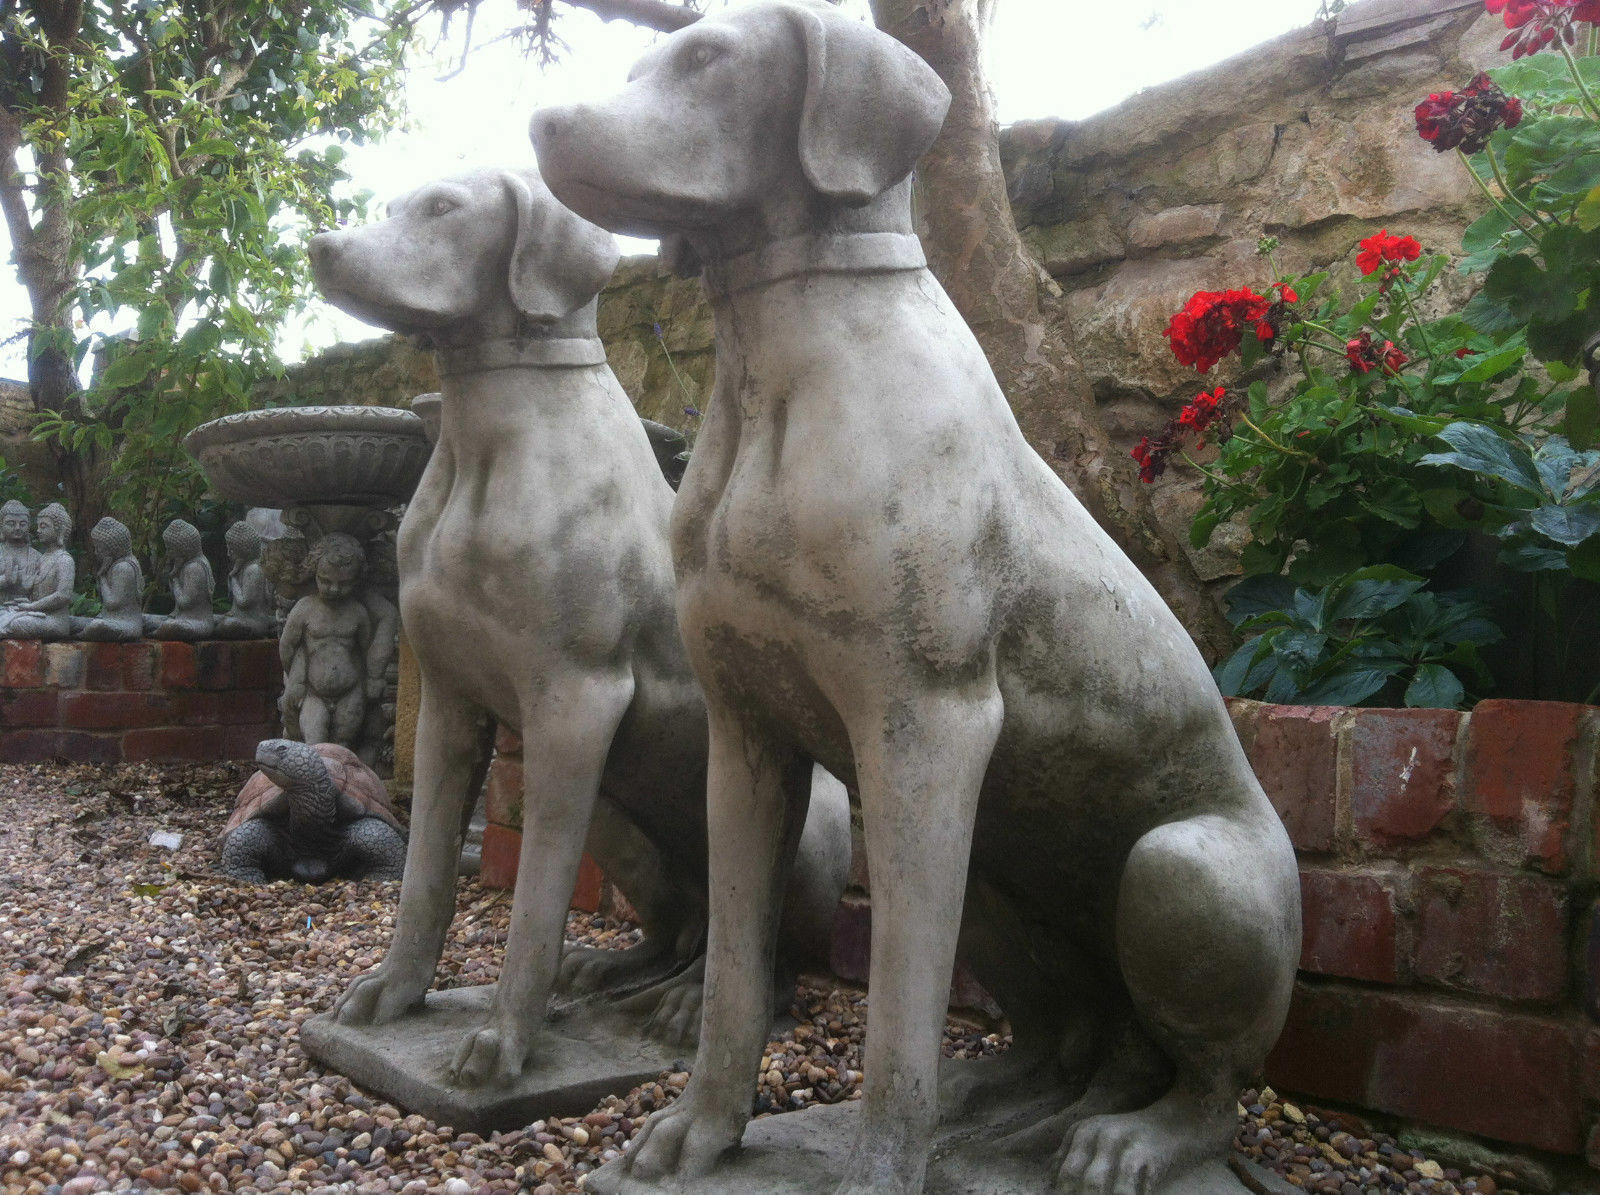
x: 1450, y: 972
x: 135, y: 702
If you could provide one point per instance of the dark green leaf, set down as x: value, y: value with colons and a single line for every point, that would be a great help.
x: 1347, y: 686
x: 1569, y: 525
x: 1370, y: 592
x: 1582, y: 416
x: 1434, y: 687
x: 1258, y: 595
x: 1481, y: 449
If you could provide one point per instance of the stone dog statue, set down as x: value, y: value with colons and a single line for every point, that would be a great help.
x: 536, y: 586
x: 875, y: 571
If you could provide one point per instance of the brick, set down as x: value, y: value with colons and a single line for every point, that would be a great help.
x: 214, y: 664
x: 1402, y: 773
x: 178, y: 669
x: 1491, y: 933
x: 586, y: 892
x: 1350, y: 925
x: 256, y: 665
x: 28, y: 707
x: 113, y: 711
x: 1295, y: 756
x: 64, y: 665
x: 129, y: 667
x: 502, y: 847
x: 172, y: 743
x: 1479, y: 1070
x: 1519, y: 773
x: 230, y: 707
x: 507, y: 741
x: 851, y: 956
x: 41, y: 746
x: 240, y: 741
x: 502, y: 791
x: 22, y: 665
x: 1591, y: 967
x: 1245, y: 714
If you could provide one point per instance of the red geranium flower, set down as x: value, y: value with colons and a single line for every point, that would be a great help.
x: 1447, y: 119
x: 1365, y: 356
x: 1534, y: 24
x: 1212, y: 324
x: 1376, y: 250
x: 1196, y: 416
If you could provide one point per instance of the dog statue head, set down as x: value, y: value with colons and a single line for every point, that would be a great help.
x: 476, y: 256
x: 773, y: 119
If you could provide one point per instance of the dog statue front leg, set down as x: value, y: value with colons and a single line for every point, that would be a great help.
x: 451, y: 744
x: 920, y: 768
x: 566, y: 737
x: 756, y: 796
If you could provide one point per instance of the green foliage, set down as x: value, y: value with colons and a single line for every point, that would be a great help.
x: 191, y: 148
x: 1370, y: 637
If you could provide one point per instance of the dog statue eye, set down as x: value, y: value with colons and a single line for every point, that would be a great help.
x: 441, y: 207
x: 704, y: 55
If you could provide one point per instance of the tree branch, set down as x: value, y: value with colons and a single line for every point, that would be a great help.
x: 652, y: 14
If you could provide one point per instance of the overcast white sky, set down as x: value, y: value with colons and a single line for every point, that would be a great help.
x: 1064, y: 58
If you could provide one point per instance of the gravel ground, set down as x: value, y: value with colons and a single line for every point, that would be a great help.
x: 151, y: 1009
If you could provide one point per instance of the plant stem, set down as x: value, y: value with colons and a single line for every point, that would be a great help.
x: 1493, y: 198
x: 1215, y: 476
x: 1577, y: 77
x: 1416, y: 318
x: 1499, y: 177
x: 1270, y: 442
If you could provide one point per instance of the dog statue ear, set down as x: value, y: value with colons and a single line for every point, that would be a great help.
x: 872, y: 108
x: 559, y: 261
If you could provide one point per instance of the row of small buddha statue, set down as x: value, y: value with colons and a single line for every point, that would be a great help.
x: 37, y: 583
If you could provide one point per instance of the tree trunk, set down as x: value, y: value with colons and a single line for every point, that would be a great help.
x: 974, y: 247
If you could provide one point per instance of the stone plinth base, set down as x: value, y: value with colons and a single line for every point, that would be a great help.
x: 805, y: 1153
x: 583, y: 1056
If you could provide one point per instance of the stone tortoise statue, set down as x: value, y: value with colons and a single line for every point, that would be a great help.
x: 312, y: 813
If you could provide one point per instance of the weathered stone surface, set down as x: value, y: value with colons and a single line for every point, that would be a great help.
x: 1175, y: 226
x: 583, y: 1057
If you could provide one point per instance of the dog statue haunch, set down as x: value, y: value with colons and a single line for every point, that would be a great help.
x: 536, y: 587
x: 876, y: 572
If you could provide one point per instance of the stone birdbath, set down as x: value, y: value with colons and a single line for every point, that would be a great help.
x: 337, y: 473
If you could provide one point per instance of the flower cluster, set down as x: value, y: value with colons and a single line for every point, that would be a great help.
x: 1467, y: 119
x: 1197, y: 416
x: 1212, y: 323
x: 1365, y: 355
x: 1534, y: 24
x: 1382, y: 247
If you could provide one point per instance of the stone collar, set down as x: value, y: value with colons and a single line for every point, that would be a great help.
x: 845, y: 253
x: 520, y: 353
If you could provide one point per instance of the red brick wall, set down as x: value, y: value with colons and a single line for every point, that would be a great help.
x: 1447, y: 865
x: 148, y: 701
x: 502, y: 837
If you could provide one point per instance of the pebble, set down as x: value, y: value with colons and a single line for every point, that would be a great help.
x: 155, y: 1044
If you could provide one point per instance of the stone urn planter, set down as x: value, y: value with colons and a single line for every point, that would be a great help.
x: 338, y: 473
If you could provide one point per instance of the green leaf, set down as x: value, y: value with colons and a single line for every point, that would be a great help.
x: 128, y: 370
x: 1494, y: 365
x: 1485, y: 314
x: 1348, y: 686
x: 1587, y: 212
x: 1258, y: 595
x: 1434, y: 687
x: 1299, y: 651
x: 1481, y: 449
x: 1394, y: 501
x: 1531, y: 558
x: 1204, y: 524
x: 1370, y: 592
x: 1569, y: 525
x: 215, y: 147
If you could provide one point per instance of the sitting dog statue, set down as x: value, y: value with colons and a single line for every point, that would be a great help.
x: 536, y: 589
x: 876, y: 572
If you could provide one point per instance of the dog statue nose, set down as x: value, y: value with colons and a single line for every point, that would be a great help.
x: 551, y: 126
x: 322, y: 248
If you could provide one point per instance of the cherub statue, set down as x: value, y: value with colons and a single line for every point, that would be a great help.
x: 121, y: 583
x: 19, y: 562
x: 251, y: 614
x: 193, y: 585
x: 324, y: 648
x: 47, y: 614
